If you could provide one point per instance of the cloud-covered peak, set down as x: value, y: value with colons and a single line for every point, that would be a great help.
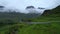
x: 29, y: 7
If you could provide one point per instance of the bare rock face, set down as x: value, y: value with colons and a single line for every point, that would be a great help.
x: 40, y: 8
x: 28, y: 7
x: 46, y: 12
x: 31, y: 9
x: 1, y: 6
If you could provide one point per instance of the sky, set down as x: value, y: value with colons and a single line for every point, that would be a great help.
x: 22, y: 4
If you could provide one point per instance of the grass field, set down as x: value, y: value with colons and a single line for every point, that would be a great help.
x: 21, y: 28
x: 52, y: 28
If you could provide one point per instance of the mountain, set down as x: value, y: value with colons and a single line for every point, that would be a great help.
x: 32, y: 9
x: 14, y: 16
x: 28, y: 7
x: 1, y: 6
x: 53, y: 11
x: 40, y: 8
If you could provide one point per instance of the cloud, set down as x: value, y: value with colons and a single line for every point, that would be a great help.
x: 22, y: 4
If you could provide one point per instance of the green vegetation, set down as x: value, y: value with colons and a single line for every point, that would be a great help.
x: 12, y: 25
x: 49, y: 15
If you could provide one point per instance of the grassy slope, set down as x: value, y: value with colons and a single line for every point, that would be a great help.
x: 52, y: 28
x: 49, y: 16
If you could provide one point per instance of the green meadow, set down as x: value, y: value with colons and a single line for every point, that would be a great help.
x: 15, y: 27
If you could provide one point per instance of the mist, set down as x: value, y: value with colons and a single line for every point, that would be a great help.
x: 20, y: 5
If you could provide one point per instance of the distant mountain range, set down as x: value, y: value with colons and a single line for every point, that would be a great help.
x: 13, y: 15
x: 30, y: 9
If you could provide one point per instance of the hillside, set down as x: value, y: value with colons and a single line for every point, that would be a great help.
x: 53, y: 11
x: 49, y: 15
x: 52, y: 16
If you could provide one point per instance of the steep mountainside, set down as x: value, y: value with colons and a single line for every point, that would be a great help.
x: 53, y: 11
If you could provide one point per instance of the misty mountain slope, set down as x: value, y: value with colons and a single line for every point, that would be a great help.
x: 16, y: 16
x: 53, y: 28
x: 53, y: 11
x: 49, y: 15
x: 14, y: 13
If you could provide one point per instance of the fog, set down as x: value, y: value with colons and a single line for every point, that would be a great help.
x: 22, y: 4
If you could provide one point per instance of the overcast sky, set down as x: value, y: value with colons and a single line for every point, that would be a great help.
x: 21, y: 4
